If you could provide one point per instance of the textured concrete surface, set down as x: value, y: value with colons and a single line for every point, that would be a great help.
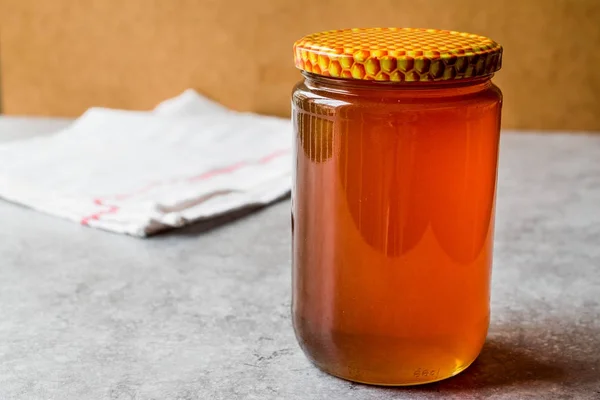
x: 204, y: 313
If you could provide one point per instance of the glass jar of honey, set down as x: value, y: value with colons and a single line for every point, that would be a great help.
x: 396, y: 141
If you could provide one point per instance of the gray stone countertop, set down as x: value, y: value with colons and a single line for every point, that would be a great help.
x: 203, y: 313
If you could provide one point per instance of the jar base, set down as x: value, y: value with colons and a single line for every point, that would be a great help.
x: 392, y: 384
x: 385, y: 360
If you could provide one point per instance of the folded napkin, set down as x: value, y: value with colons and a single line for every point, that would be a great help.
x: 142, y: 172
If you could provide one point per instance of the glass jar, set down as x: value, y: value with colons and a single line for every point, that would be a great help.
x: 396, y: 142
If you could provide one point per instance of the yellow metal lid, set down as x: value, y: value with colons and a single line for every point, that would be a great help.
x: 397, y: 54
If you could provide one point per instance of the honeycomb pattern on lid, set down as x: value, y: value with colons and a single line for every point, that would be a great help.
x: 398, y: 54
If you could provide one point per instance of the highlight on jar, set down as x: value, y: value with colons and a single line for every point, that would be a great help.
x: 393, y: 201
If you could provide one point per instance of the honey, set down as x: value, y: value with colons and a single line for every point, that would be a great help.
x: 393, y: 210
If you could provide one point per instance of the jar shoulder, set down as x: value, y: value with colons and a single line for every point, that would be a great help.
x: 319, y: 101
x: 328, y: 101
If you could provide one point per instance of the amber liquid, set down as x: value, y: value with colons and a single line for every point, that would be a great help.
x: 392, y: 220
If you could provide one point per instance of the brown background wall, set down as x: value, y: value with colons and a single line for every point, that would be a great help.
x: 59, y: 57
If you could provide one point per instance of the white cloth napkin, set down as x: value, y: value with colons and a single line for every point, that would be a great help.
x: 142, y: 172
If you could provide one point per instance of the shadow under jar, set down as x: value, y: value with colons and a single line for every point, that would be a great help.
x: 393, y: 201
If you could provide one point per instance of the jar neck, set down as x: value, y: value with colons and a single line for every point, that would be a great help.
x: 350, y: 87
